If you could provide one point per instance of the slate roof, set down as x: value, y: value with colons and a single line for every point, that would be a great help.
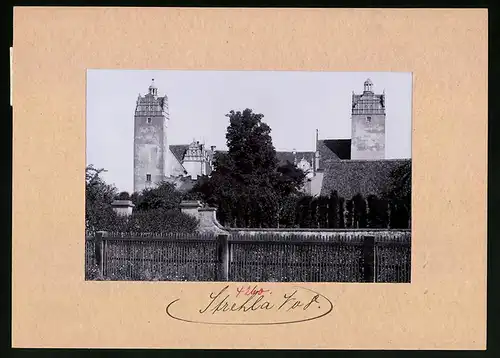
x: 287, y: 156
x: 284, y: 156
x: 178, y: 151
x: 366, y: 177
x: 333, y: 149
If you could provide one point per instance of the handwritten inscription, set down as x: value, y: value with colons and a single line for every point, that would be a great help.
x: 235, y: 304
x: 248, y: 290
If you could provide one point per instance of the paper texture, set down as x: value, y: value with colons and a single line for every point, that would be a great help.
x: 444, y: 307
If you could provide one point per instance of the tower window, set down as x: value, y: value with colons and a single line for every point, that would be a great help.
x: 148, y: 178
x: 368, y: 119
x: 149, y: 120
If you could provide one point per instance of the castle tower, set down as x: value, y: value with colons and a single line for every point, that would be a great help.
x: 150, y: 139
x: 368, y: 124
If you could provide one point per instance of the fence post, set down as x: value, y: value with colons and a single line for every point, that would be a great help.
x: 223, y: 257
x: 369, y: 259
x: 100, y: 250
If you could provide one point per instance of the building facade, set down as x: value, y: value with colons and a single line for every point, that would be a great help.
x: 155, y: 159
x: 150, y: 139
x: 368, y: 124
x: 357, y: 164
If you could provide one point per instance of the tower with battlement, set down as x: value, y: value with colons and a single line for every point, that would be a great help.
x: 150, y: 139
x: 368, y: 124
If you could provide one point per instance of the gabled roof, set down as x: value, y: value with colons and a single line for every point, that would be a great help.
x: 333, y: 149
x: 178, y: 151
x: 366, y: 177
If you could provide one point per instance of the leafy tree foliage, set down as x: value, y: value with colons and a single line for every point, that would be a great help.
x: 287, y: 210
x: 333, y: 204
x: 123, y: 196
x: 359, y: 211
x: 349, y: 208
x: 290, y: 178
x: 399, y: 196
x: 247, y: 186
x: 341, y: 213
x: 164, y: 196
x: 98, y: 197
x: 377, y: 212
x: 157, y: 210
x: 304, y: 212
x: 161, y: 221
x: 314, y: 212
x: 323, y: 212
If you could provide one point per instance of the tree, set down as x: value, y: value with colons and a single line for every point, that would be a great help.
x: 99, y: 214
x: 333, y: 204
x: 287, y: 210
x: 377, y: 212
x: 349, y: 219
x: 341, y: 213
x: 134, y: 197
x: 398, y: 195
x: 158, y: 210
x: 359, y: 211
x: 323, y: 211
x: 314, y: 212
x: 289, y: 178
x: 304, y: 214
x: 164, y: 196
x: 246, y: 185
x: 123, y: 196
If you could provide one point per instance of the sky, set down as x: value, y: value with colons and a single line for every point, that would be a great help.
x: 294, y: 105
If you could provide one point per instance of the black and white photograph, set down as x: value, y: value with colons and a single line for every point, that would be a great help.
x: 248, y: 176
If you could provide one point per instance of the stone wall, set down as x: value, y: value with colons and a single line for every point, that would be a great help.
x: 208, y: 224
x: 394, y: 233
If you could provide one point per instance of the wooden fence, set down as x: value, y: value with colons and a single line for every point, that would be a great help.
x: 346, y: 256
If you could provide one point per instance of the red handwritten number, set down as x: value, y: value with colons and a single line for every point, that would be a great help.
x: 247, y: 291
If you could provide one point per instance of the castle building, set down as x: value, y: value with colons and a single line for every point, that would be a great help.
x: 350, y: 166
x: 155, y: 160
x: 368, y: 124
x: 354, y: 165
x: 150, y: 139
x: 359, y: 164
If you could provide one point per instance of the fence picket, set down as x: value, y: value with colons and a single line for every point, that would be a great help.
x: 269, y: 256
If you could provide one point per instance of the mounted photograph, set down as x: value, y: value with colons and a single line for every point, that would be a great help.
x: 248, y: 176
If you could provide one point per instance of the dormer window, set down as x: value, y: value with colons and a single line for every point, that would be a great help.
x: 149, y: 120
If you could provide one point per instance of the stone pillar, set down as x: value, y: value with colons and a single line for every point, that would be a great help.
x: 206, y: 216
x: 208, y: 221
x: 191, y: 207
x: 123, y: 207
